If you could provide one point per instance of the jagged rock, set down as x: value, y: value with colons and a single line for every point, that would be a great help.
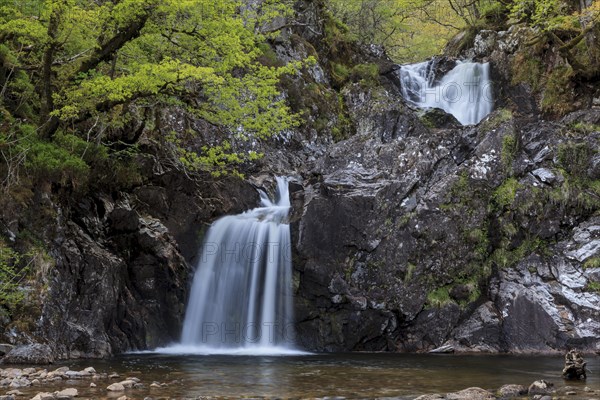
x: 545, y: 175
x: 484, y: 42
x: 29, y: 354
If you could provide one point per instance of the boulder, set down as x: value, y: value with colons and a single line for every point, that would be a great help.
x: 508, y: 391
x: 540, y: 387
x: 29, y: 354
x: 438, y: 118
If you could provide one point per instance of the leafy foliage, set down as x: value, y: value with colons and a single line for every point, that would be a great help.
x: 64, y: 63
x: 10, y: 278
x: 409, y: 30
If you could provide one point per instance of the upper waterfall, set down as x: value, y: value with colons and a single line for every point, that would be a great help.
x: 241, y: 298
x: 465, y: 91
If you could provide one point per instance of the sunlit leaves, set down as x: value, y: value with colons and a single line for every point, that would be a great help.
x: 102, y: 59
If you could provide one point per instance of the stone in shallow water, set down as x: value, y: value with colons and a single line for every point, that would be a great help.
x: 116, y: 387
x: 66, y: 393
x: 128, y: 383
x: 473, y: 393
x: 43, y: 396
x: 512, y: 391
x: 541, y: 387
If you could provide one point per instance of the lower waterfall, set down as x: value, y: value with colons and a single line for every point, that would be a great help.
x: 241, y: 297
x: 465, y: 91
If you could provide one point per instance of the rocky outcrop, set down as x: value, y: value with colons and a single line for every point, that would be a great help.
x: 410, y: 233
x: 410, y: 238
x: 120, y: 263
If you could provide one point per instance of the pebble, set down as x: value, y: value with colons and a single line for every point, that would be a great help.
x: 155, y: 385
x: 571, y: 393
x: 93, y: 385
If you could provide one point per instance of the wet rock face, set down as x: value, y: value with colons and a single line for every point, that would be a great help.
x: 413, y: 237
x: 121, y: 263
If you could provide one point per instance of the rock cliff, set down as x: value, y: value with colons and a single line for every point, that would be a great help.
x: 409, y: 234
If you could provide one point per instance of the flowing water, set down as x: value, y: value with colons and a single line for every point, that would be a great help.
x: 357, y: 375
x: 465, y: 91
x: 241, y: 300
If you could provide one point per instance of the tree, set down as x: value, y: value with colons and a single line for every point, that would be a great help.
x: 409, y: 30
x: 570, y: 25
x: 71, y: 61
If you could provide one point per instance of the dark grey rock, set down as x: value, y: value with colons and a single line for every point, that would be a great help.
x: 545, y: 175
x: 29, y: 354
x: 5, y: 348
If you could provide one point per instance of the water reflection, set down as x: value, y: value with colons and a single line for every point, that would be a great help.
x: 349, y: 375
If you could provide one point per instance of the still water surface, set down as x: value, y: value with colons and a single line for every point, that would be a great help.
x: 356, y: 375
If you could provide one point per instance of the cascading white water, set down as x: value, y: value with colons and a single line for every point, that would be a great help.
x: 241, y: 298
x: 465, y: 91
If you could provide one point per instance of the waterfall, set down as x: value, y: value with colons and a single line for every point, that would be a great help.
x: 465, y: 91
x: 241, y: 298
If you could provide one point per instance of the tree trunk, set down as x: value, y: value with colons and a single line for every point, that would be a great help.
x: 47, y: 62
